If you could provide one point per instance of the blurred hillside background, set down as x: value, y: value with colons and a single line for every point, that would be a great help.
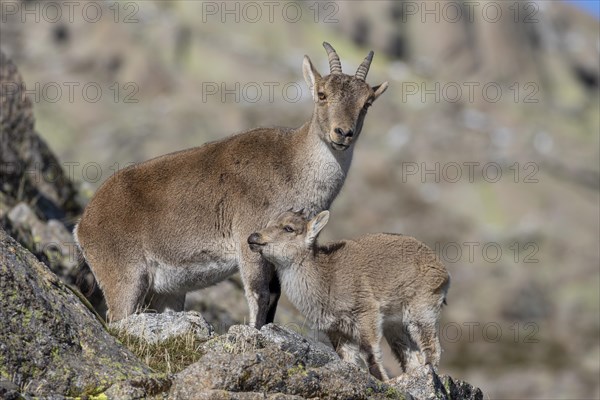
x: 485, y: 146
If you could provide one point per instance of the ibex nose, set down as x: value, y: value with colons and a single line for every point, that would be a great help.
x: 341, y: 132
x: 255, y: 243
x: 254, y: 239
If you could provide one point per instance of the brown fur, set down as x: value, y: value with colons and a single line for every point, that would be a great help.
x: 177, y: 222
x: 360, y: 290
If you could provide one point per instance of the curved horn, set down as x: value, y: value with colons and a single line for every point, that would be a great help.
x: 335, y: 66
x: 363, y: 69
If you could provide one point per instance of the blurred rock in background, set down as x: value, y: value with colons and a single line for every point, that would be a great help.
x: 38, y: 202
x: 486, y: 146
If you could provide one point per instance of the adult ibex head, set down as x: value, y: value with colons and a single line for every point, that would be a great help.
x: 341, y: 101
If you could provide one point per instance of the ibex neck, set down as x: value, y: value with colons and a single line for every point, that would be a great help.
x: 320, y: 151
x: 307, y: 288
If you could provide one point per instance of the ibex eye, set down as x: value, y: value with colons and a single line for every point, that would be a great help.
x: 288, y: 229
x: 321, y: 96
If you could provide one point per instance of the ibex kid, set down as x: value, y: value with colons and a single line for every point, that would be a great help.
x: 359, y: 290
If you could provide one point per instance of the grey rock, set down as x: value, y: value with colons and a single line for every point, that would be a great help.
x: 38, y: 201
x: 50, y: 238
x: 22, y: 215
x: 9, y: 391
x: 30, y: 170
x: 275, y: 360
x: 222, y: 305
x: 50, y: 342
x: 246, y: 362
x: 139, y: 388
x: 156, y: 328
x: 53, y: 397
x: 314, y: 354
x: 422, y: 384
x: 225, y: 395
x: 241, y: 338
x: 458, y: 389
x: 425, y: 384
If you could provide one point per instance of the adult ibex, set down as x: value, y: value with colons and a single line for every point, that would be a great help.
x: 179, y: 222
x: 360, y: 290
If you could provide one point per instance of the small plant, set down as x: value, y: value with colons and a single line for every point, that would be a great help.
x: 393, y: 393
x: 228, y: 347
x: 298, y: 369
x: 101, y: 396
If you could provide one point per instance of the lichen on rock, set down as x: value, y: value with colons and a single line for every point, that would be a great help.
x: 38, y: 202
x: 50, y: 342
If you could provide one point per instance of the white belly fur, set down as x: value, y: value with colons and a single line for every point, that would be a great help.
x: 184, y: 278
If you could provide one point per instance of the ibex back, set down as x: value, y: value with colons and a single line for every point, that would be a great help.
x: 179, y: 222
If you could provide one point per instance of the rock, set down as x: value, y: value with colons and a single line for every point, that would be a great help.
x: 50, y: 342
x: 421, y: 383
x: 23, y: 216
x: 38, y: 201
x: 275, y: 360
x: 458, y: 389
x: 50, y: 238
x: 156, y: 328
x: 9, y: 391
x: 29, y: 169
x: 247, y: 363
x: 424, y: 384
x: 308, y: 352
x: 243, y: 337
x: 225, y: 395
x: 139, y: 388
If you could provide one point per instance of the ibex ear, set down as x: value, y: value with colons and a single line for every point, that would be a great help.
x: 380, y: 89
x: 315, y: 225
x: 311, y: 76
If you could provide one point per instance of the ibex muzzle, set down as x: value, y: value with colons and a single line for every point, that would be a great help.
x: 180, y: 222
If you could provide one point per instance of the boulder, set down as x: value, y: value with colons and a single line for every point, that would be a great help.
x: 50, y: 341
x: 38, y: 201
x: 158, y: 328
x: 29, y: 169
x: 247, y: 363
x: 275, y: 360
x: 425, y: 384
